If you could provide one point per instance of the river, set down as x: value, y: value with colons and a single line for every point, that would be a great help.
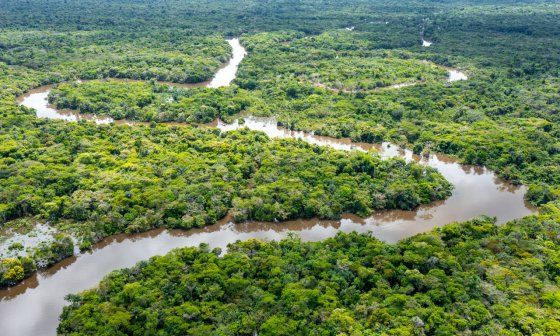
x: 38, y: 98
x: 33, y: 307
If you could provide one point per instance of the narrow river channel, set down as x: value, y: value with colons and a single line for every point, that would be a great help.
x: 33, y: 307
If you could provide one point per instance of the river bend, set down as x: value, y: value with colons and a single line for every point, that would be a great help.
x: 33, y: 307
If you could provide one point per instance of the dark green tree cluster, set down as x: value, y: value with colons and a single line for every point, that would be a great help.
x: 470, y: 278
x: 174, y: 56
x: 150, y: 101
x: 340, y: 60
x: 222, y: 16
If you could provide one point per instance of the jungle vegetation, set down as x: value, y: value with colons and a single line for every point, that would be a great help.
x: 465, y: 278
x: 150, y: 101
x: 97, y: 180
x: 338, y: 83
x: 172, y: 56
x: 312, y: 73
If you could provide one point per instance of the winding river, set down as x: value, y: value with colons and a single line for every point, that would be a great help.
x: 38, y: 98
x: 33, y: 307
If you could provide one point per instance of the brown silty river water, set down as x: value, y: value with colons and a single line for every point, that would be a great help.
x: 33, y: 307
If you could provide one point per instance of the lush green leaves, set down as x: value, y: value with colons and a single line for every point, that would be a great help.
x: 471, y: 277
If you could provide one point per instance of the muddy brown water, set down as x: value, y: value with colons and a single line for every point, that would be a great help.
x: 33, y: 307
x: 477, y: 191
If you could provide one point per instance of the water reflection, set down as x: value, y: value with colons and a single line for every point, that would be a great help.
x: 226, y: 75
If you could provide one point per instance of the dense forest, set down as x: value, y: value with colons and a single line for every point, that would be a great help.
x: 97, y: 181
x: 167, y: 56
x: 471, y: 278
x: 339, y: 83
x: 353, y: 69
x: 150, y: 101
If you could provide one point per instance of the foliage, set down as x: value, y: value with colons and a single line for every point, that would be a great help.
x: 465, y: 278
x: 13, y: 270
x: 339, y: 60
x: 94, y: 181
x: 175, y: 56
x: 47, y: 254
x: 501, y: 118
x: 505, y: 120
x: 142, y: 101
x: 109, y: 179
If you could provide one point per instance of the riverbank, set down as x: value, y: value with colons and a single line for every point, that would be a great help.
x: 48, y: 287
